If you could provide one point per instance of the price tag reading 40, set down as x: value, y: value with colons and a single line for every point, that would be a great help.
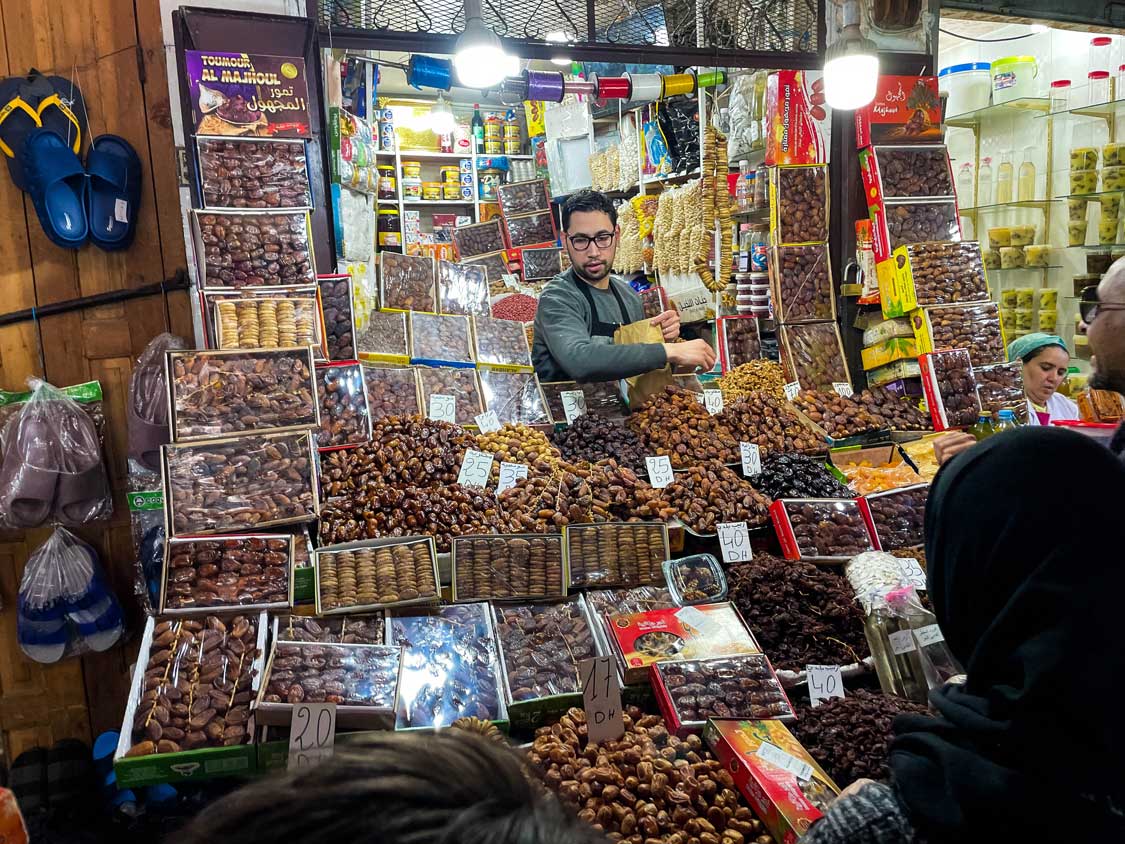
x: 824, y: 682
x: 713, y: 401
x: 659, y: 471
x: 574, y: 404
x: 601, y: 698
x: 751, y: 459
x: 509, y: 474
x: 842, y: 388
x: 734, y: 542
x: 312, y: 734
x: 475, y: 468
x: 443, y: 408
x: 488, y: 422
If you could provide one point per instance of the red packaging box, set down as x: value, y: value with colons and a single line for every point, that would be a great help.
x: 786, y: 803
x: 797, y: 118
x: 906, y: 110
x: 739, y: 340
x: 791, y: 547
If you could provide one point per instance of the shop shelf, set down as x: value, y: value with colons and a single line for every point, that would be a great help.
x: 1093, y: 197
x: 1099, y: 110
x: 426, y: 154
x: 973, y: 119
x: 1097, y: 247
x: 1024, y: 269
x: 413, y: 202
x: 1041, y: 204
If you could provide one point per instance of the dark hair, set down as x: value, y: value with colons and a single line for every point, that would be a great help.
x: 1034, y: 353
x: 450, y: 787
x: 587, y: 200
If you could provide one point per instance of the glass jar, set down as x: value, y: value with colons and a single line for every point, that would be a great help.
x: 390, y: 230
x: 761, y: 187
x: 387, y: 182
x: 1098, y: 88
x: 1060, y: 95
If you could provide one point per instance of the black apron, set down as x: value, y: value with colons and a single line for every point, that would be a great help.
x: 597, y: 327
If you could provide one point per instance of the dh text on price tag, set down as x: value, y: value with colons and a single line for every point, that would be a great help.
x: 475, y: 468
x: 912, y: 571
x: 843, y: 388
x: 509, y: 474
x: 791, y: 390
x: 713, y: 401
x: 601, y: 698
x: 786, y: 761
x: 312, y: 734
x: 443, y: 408
x: 751, y: 459
x: 574, y: 404
x: 824, y: 682
x: 734, y: 542
x: 659, y: 471
x: 928, y: 635
x: 902, y: 642
x: 488, y: 422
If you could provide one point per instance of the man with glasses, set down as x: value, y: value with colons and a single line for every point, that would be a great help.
x: 580, y: 309
x: 1103, y: 310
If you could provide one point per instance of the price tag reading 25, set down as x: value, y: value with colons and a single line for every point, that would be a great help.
x: 659, y: 471
x: 734, y: 542
x: 475, y: 468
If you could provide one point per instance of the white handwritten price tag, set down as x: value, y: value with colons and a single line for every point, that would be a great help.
x: 443, y: 408
x: 510, y: 279
x: 574, y: 404
x: 475, y: 468
x: 312, y: 734
x: 487, y: 422
x: 912, y: 571
x: 509, y: 474
x: 786, y: 761
x: 751, y: 459
x: 929, y: 635
x: 791, y: 390
x: 734, y: 542
x: 824, y: 682
x: 843, y: 388
x: 713, y: 401
x: 659, y: 471
x: 902, y: 642
x: 601, y: 698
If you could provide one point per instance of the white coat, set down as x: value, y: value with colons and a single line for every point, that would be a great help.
x: 1058, y: 406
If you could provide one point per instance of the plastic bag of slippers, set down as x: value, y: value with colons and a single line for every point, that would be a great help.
x: 148, y: 402
x: 66, y: 606
x: 52, y: 468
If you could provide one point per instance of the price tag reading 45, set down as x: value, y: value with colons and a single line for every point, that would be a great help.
x: 601, y: 698
x: 751, y: 459
x: 475, y: 468
x: 443, y: 408
x: 574, y: 404
x: 824, y: 682
x: 734, y: 542
x: 659, y: 471
x: 312, y: 734
x: 713, y: 401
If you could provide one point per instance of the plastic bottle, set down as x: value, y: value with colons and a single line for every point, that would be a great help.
x: 1007, y: 421
x: 984, y: 182
x: 1025, y: 192
x: 742, y: 190
x: 965, y: 186
x: 983, y: 427
x: 1005, y: 175
x: 478, y: 130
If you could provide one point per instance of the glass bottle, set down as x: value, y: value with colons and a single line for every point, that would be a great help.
x: 1005, y: 175
x: 478, y: 130
x: 1025, y: 191
x: 891, y: 640
x: 984, y: 182
x: 965, y: 186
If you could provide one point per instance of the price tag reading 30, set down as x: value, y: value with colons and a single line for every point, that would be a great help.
x: 488, y: 422
x: 824, y: 682
x: 443, y: 408
x: 574, y: 404
x: 751, y: 459
x: 312, y: 734
x: 659, y: 471
x: 713, y: 401
x: 734, y: 542
x: 509, y: 474
x: 475, y: 468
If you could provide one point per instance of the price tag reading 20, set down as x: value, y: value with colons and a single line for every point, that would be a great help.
x: 443, y: 408
x: 312, y: 734
x: 475, y: 468
x: 659, y: 471
x: 734, y: 542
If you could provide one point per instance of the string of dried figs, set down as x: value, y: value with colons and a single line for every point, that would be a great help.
x: 547, y: 503
x: 764, y: 419
x: 703, y: 496
x: 675, y: 424
x: 647, y: 786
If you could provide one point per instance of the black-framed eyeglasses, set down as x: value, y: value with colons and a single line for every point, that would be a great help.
x: 1089, y: 306
x: 582, y: 242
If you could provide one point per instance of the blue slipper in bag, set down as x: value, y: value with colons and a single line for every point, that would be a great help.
x: 113, y: 193
x: 57, y: 185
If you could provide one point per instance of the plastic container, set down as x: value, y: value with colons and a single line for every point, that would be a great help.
x: 968, y: 86
x: 1107, y: 230
x: 412, y: 169
x: 1113, y: 155
x: 1014, y: 78
x: 1098, y: 86
x: 411, y: 188
x: 1048, y: 319
x: 1000, y: 236
x: 1023, y: 235
x: 1100, y: 56
x: 1083, y: 181
x: 1076, y: 209
x: 1037, y: 256
x: 698, y: 579
x: 1025, y: 189
x: 431, y: 191
x: 1113, y: 178
x: 387, y: 182
x: 1060, y: 95
x: 1011, y: 257
x: 1083, y: 158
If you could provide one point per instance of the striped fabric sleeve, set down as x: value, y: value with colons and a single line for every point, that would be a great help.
x: 873, y: 815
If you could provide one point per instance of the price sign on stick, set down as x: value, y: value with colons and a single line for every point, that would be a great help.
x: 488, y: 422
x: 734, y: 542
x: 713, y: 401
x: 312, y: 734
x: 601, y: 698
x: 751, y: 459
x: 475, y: 468
x: 824, y: 682
x: 842, y: 388
x: 574, y: 404
x: 443, y: 408
x: 509, y: 474
x: 659, y: 471
x: 791, y: 390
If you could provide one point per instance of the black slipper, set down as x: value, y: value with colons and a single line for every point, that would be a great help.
x: 28, y: 781
x: 70, y: 773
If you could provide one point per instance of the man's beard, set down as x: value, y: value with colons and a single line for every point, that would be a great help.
x: 1103, y: 381
x: 585, y: 276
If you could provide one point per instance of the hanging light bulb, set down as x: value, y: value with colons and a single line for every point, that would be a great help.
x: 441, y: 117
x: 479, y: 57
x: 558, y: 37
x: 851, y: 65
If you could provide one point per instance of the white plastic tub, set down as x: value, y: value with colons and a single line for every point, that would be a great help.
x: 1014, y: 78
x: 968, y: 86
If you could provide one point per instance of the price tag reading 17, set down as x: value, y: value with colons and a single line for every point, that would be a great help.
x: 792, y: 389
x: 824, y: 682
x: 488, y: 422
x: 574, y: 404
x: 713, y: 401
x: 842, y: 388
x: 312, y: 734
x: 659, y: 471
x: 751, y: 459
x: 443, y: 408
x: 475, y: 468
x: 734, y: 542
x: 601, y: 698
x: 509, y: 474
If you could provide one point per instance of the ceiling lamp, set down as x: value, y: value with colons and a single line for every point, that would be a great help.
x: 851, y: 65
x: 441, y: 117
x: 479, y: 58
x: 558, y: 37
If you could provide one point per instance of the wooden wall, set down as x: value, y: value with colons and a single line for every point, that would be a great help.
x: 113, y: 49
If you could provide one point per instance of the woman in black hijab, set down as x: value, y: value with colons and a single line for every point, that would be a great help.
x: 1028, y: 585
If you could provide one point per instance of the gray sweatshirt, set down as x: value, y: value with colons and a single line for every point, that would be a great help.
x: 564, y: 349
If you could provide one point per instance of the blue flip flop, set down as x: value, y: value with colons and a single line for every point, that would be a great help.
x: 57, y: 185
x: 18, y: 119
x: 114, y: 192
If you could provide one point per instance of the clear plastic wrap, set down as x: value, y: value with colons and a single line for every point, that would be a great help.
x: 897, y: 516
x: 199, y: 682
x: 239, y: 249
x: 601, y: 397
x: 479, y: 238
x: 495, y: 266
x: 975, y: 327
x: 88, y: 396
x: 450, y: 667
x: 406, y: 282
x: 52, y: 467
x: 241, y: 483
x: 235, y: 571
x: 697, y: 579
x: 442, y: 339
x: 828, y: 529
x: 367, y: 629
x: 541, y: 646
x: 147, y: 407
x: 216, y: 393
x: 637, y: 599
x: 376, y: 574
x: 802, y: 283
x: 459, y: 383
x: 501, y: 342
x: 541, y: 262
x: 256, y: 173
x: 799, y: 203
x: 911, y: 657
x: 66, y: 607
x: 391, y: 391
x: 1000, y: 387
x: 146, y: 521
x: 524, y: 197
x: 339, y: 319
x: 729, y: 687
x: 462, y: 288
x: 531, y: 229
x: 515, y: 397
x: 524, y: 566
x: 912, y: 171
x: 384, y: 336
x: 616, y: 554
x: 274, y: 322
x: 344, y: 416
x: 813, y: 355
x: 739, y: 341
x: 874, y: 573
x: 944, y: 273
x: 920, y: 222
x: 950, y: 389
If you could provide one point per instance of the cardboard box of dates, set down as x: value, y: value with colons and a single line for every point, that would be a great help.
x: 179, y: 658
x: 925, y: 274
x: 222, y: 573
x: 822, y: 530
x: 260, y: 248
x: 905, y: 110
x: 787, y: 799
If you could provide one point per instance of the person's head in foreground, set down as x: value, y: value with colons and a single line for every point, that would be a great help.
x: 451, y: 787
x: 1045, y: 360
x: 1027, y: 589
x: 1103, y: 310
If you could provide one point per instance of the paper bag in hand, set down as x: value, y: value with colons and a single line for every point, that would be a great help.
x: 649, y: 383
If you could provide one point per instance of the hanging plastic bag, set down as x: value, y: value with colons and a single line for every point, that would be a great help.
x: 52, y: 465
x: 148, y: 402
x: 66, y: 606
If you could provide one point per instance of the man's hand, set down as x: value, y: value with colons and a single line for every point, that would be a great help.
x: 948, y: 446
x: 669, y: 325
x: 692, y: 355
